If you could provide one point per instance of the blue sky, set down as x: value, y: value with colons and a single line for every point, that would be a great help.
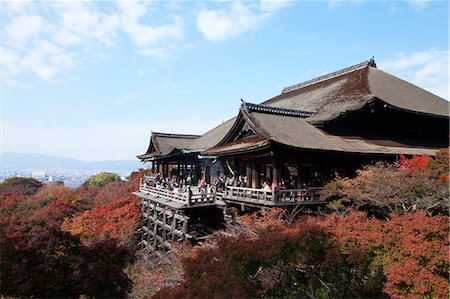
x: 90, y: 80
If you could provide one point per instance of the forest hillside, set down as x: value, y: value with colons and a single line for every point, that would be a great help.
x: 384, y: 233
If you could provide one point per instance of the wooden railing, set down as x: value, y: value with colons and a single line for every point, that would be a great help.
x: 185, y: 197
x: 175, y: 196
x: 247, y: 194
x: 273, y: 197
x: 250, y: 195
x: 298, y: 195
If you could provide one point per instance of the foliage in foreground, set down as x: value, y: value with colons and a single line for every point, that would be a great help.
x: 400, y: 253
x: 329, y: 257
x: 60, y: 242
x: 419, y: 183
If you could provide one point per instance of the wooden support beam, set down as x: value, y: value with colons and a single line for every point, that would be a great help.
x: 276, y: 175
x: 174, y: 227
x: 155, y: 226
x: 164, y: 222
x: 185, y: 225
x: 248, y: 173
x: 255, y: 176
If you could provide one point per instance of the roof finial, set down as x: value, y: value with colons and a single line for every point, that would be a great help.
x: 372, y: 62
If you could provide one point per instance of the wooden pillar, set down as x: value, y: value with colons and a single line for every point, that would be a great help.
x: 299, y: 176
x: 153, y: 167
x: 174, y: 225
x: 164, y: 225
x: 276, y: 175
x: 255, y: 176
x: 166, y: 168
x: 157, y: 167
x: 185, y: 226
x: 249, y: 176
x: 211, y: 174
x: 262, y: 172
x: 155, y: 227
x: 150, y: 211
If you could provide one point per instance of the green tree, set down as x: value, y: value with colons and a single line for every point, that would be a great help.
x: 102, y: 179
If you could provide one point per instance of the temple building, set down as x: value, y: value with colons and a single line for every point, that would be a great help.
x: 281, y: 152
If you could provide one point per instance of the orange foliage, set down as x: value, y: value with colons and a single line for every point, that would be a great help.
x: 334, y: 256
x: 117, y: 220
x: 417, y: 162
x: 412, y: 248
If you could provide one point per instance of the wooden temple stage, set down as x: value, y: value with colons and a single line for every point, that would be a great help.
x: 291, y: 145
x: 169, y: 216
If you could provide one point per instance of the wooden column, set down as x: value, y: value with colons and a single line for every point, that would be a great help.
x: 299, y: 176
x: 155, y: 227
x: 166, y: 166
x: 157, y: 167
x: 276, y: 175
x: 262, y: 172
x: 249, y: 176
x: 153, y: 167
x: 255, y: 176
x: 164, y: 225
x: 174, y: 225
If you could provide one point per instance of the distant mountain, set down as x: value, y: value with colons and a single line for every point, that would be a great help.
x: 11, y: 160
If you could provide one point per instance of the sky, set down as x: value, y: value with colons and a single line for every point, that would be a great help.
x: 91, y: 80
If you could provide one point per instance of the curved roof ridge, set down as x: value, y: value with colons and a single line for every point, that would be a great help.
x: 361, y: 65
x: 174, y: 135
x: 275, y: 110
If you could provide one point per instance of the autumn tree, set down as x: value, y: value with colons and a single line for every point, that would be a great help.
x: 118, y: 220
x: 419, y: 183
x: 40, y: 259
x: 102, y: 179
x: 14, y: 189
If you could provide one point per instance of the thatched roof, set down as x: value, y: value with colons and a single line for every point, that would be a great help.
x: 294, y: 131
x: 162, y: 144
x: 352, y: 88
x: 212, y: 137
x: 291, y: 118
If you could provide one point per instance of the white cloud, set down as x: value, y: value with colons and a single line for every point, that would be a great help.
x: 221, y: 24
x: 337, y: 3
x: 427, y: 69
x: 50, y: 38
x: 272, y: 5
x: 24, y: 27
x: 85, y: 20
x: 419, y: 4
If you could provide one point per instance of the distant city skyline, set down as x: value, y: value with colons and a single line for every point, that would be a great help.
x: 90, y: 80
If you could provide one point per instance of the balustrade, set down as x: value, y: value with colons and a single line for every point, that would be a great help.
x: 185, y: 197
x: 273, y: 197
x: 251, y: 195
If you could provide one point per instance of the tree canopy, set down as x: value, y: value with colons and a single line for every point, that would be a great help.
x: 102, y: 179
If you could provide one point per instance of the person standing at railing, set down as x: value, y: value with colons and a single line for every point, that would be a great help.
x: 203, y: 188
x: 267, y: 189
x: 220, y: 184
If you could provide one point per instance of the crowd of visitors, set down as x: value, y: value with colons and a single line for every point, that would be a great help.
x: 220, y: 183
